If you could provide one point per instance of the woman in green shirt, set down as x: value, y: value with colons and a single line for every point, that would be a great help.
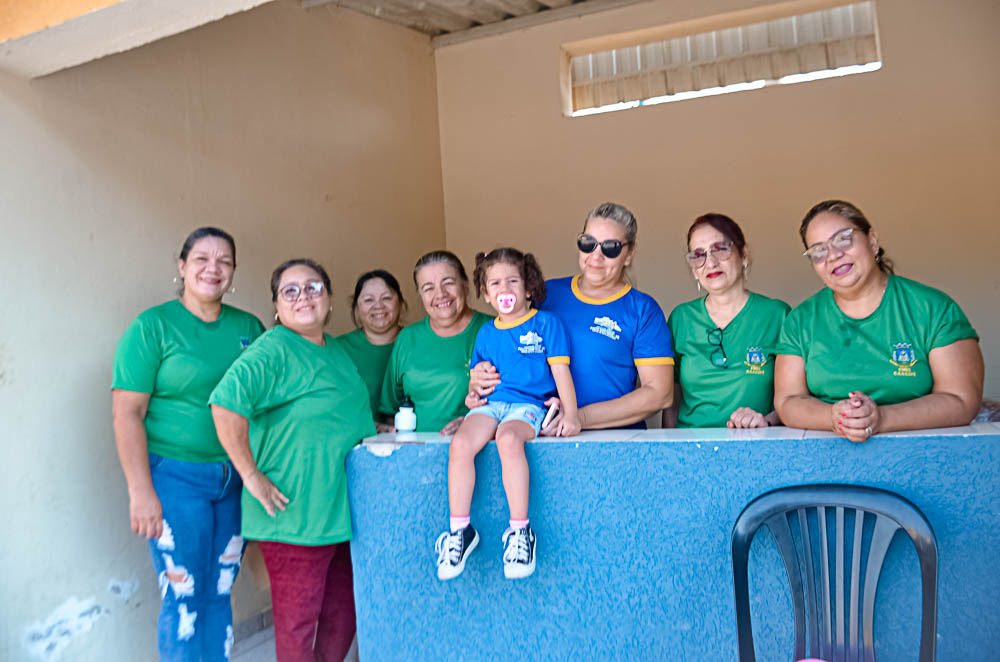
x: 724, y: 342
x: 872, y: 352
x: 288, y: 411
x: 376, y: 306
x: 183, y: 491
x: 430, y: 362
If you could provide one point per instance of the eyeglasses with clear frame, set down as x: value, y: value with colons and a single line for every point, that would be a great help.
x: 720, y: 250
x: 312, y: 289
x: 840, y: 240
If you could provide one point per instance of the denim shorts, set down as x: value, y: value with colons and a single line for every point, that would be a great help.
x: 533, y: 415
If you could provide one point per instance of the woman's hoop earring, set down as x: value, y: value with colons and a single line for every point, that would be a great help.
x: 176, y: 278
x: 746, y: 271
x: 698, y: 283
x: 276, y: 317
x: 232, y: 289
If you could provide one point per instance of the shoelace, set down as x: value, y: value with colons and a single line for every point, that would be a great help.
x: 449, y: 547
x: 516, y: 550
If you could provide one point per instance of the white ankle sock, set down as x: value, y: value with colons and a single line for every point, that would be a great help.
x: 518, y: 523
x: 459, y: 523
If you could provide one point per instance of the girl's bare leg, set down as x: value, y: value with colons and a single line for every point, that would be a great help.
x: 475, y: 432
x: 510, y: 443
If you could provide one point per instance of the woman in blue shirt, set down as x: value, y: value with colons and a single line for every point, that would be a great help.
x: 618, y: 335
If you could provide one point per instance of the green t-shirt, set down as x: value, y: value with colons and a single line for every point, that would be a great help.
x: 711, y: 394
x: 307, y: 408
x: 370, y: 359
x: 883, y: 355
x: 433, y: 371
x: 178, y: 359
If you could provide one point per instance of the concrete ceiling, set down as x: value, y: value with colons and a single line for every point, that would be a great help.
x: 112, y: 28
x: 40, y: 38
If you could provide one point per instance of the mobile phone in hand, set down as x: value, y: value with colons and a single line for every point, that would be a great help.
x: 550, y: 414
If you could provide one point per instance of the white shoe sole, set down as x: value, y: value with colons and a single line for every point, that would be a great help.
x: 518, y: 571
x: 446, y: 572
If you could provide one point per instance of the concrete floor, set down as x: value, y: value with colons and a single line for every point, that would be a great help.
x: 257, y: 648
x: 260, y: 648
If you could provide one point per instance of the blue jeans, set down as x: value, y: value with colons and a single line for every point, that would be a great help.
x: 197, y: 557
x: 531, y: 414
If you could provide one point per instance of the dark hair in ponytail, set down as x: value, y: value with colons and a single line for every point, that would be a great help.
x: 201, y: 233
x: 390, y: 282
x: 527, y: 265
x: 853, y: 215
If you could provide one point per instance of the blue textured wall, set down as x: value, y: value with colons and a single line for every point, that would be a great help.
x: 634, y: 545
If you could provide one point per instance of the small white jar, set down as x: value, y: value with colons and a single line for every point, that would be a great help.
x: 406, y: 419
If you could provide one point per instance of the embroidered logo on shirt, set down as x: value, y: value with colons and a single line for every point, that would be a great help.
x: 904, y: 360
x: 606, y: 327
x: 755, y: 361
x: 531, y: 343
x: 244, y: 342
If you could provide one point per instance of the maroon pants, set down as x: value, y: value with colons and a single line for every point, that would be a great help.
x: 312, y: 596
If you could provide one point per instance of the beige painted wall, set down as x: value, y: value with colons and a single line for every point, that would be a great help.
x: 915, y: 145
x: 303, y: 133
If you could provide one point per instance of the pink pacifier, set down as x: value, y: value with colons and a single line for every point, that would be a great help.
x: 506, y: 302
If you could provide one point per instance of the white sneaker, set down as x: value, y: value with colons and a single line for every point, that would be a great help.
x: 452, y: 548
x: 518, y: 553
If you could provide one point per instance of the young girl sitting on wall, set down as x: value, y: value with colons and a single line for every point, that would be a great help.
x: 530, y: 349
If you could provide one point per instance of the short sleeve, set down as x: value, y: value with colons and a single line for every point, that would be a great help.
x: 250, y: 382
x: 557, y: 342
x: 392, y: 384
x: 790, y: 340
x: 950, y: 325
x: 652, y: 344
x: 671, y: 326
x: 138, y: 356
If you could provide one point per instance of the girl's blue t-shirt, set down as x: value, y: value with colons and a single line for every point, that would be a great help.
x: 522, y: 352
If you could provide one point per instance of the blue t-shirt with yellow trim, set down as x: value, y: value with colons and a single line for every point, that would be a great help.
x: 608, y: 338
x: 522, y: 352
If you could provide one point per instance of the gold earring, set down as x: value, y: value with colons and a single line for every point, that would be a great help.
x: 698, y: 283
x: 276, y: 317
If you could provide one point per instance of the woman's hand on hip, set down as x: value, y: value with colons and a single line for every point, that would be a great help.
x: 744, y: 417
x: 262, y: 489
x: 146, y: 514
x: 857, y: 417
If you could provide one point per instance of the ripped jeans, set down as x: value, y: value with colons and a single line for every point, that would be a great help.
x: 197, y: 557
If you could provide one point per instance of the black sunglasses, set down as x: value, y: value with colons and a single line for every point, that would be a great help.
x: 611, y: 248
x: 718, y: 356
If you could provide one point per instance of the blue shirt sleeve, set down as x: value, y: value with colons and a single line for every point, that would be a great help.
x: 652, y: 338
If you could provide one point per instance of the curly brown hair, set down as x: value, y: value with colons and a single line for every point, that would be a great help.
x: 527, y: 265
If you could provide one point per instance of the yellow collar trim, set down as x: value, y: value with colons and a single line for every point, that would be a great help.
x: 520, y: 320
x: 575, y: 286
